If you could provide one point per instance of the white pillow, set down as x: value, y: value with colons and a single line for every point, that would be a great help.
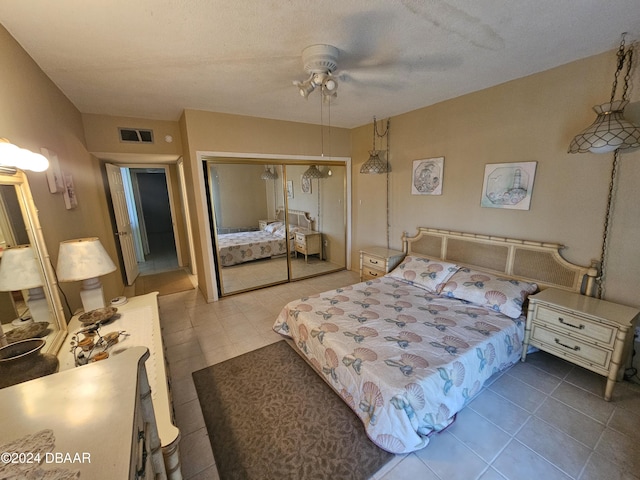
x: 424, y: 272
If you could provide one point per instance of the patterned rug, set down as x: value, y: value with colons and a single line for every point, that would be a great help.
x: 164, y: 283
x: 270, y: 416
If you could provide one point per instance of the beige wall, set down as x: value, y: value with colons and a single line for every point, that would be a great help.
x: 34, y: 113
x: 530, y: 119
x: 101, y: 133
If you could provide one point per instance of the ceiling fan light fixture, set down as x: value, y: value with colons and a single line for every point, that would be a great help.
x: 305, y: 88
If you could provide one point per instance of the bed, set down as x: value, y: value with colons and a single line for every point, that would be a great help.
x: 241, y: 247
x: 409, y: 350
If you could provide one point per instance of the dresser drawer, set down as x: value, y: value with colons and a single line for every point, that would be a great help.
x: 564, y: 345
x: 373, y: 262
x: 576, y: 325
x: 369, y: 273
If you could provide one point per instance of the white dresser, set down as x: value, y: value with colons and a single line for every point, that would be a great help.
x: 97, y: 420
x: 140, y: 319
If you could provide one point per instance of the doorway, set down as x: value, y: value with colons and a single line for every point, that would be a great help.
x: 149, y: 213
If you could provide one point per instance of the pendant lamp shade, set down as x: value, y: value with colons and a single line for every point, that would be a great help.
x: 374, y: 164
x: 312, y: 172
x: 608, y: 132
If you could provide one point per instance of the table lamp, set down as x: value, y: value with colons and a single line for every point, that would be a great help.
x: 85, y: 259
x: 19, y: 270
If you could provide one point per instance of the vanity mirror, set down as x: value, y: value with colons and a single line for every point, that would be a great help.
x: 29, y: 301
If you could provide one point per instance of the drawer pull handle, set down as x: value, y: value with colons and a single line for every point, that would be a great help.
x: 373, y: 274
x: 371, y: 260
x: 579, y: 327
x: 575, y: 348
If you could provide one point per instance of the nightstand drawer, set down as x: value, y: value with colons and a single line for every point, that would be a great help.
x: 373, y: 262
x: 301, y: 239
x: 369, y: 273
x: 576, y: 325
x: 565, y: 345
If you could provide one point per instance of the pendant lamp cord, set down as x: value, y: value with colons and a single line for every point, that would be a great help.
x: 622, y: 57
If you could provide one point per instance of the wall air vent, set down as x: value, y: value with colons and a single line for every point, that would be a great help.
x: 135, y: 135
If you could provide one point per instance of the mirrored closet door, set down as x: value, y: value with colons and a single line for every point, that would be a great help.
x: 275, y: 222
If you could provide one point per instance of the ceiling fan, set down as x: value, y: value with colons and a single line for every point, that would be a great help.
x: 319, y: 61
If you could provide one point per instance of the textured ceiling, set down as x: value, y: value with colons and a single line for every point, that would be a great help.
x: 155, y: 58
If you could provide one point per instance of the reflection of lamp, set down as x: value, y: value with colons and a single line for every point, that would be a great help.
x: 19, y: 270
x: 85, y: 259
x: 312, y: 172
x: 269, y: 173
x: 610, y: 132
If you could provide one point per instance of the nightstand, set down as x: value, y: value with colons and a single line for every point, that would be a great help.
x: 376, y: 261
x: 586, y: 331
x: 308, y: 243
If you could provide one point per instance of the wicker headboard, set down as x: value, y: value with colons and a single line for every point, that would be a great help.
x: 296, y: 217
x: 521, y: 259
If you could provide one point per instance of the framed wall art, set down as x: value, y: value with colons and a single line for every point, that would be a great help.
x: 508, y: 185
x: 426, y: 178
x: 70, y: 199
x: 289, y: 188
x: 305, y: 185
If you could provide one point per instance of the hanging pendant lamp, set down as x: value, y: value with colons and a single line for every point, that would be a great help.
x: 375, y: 164
x: 610, y: 131
x: 312, y: 172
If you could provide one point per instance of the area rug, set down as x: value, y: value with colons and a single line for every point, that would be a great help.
x: 164, y: 283
x: 270, y: 416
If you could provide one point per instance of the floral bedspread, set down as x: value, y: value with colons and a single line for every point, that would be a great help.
x: 405, y: 360
x: 243, y: 247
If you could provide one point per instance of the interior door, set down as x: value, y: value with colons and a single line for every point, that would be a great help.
x: 123, y: 222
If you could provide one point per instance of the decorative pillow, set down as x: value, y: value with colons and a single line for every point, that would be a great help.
x: 504, y: 295
x: 424, y: 272
x: 272, y: 227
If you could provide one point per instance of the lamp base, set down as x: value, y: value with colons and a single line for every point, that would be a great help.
x: 92, y: 295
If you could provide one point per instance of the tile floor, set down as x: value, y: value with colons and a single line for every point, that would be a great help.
x: 540, y: 419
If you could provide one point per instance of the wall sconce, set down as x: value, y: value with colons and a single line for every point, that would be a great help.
x: 610, y: 132
x: 85, y: 259
x: 13, y: 157
x: 19, y: 270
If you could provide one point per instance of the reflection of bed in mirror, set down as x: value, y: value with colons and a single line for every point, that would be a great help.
x: 271, y: 241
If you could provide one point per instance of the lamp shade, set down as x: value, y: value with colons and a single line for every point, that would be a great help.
x: 608, y: 132
x: 19, y: 269
x: 83, y: 258
x: 374, y: 164
x: 312, y: 172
